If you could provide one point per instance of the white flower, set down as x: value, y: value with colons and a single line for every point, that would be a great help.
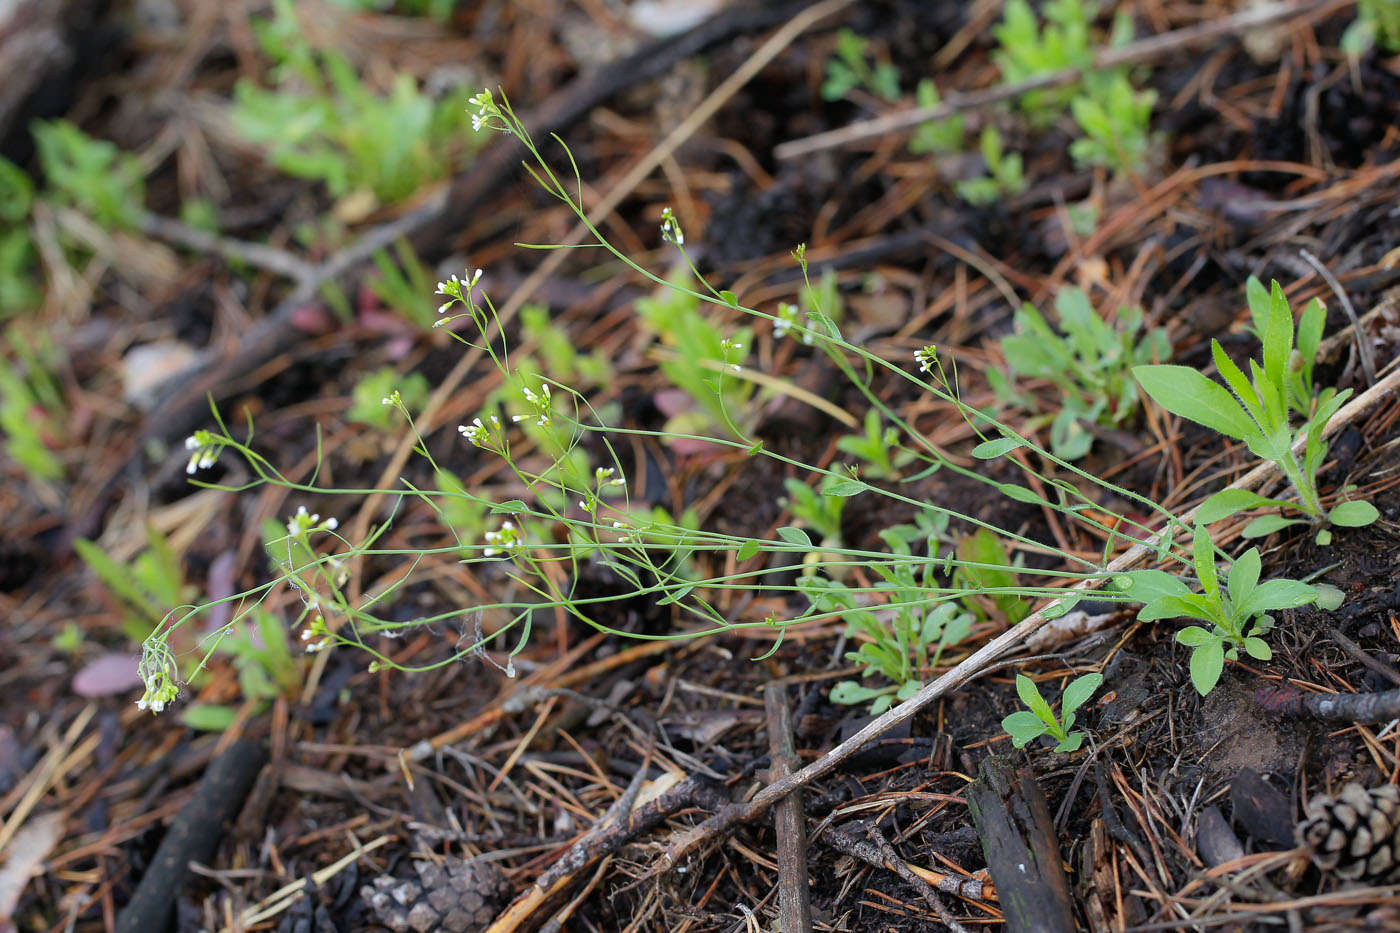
x: 927, y: 358
x: 671, y: 228
x: 204, y: 451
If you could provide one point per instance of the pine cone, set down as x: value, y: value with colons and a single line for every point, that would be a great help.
x: 1356, y: 833
x: 460, y: 896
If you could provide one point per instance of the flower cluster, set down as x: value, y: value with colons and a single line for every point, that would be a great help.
x: 604, y: 475
x: 927, y: 358
x: 316, y: 634
x: 303, y: 523
x: 671, y: 227
x: 726, y: 345
x: 159, y: 674
x: 488, y: 114
x: 785, y: 320
x: 204, y: 451
x: 540, y: 402
x: 504, y: 541
x: 480, y: 434
x: 452, y: 288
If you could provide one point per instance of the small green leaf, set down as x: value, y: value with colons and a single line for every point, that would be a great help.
x: 990, y: 450
x: 1353, y: 514
x: 675, y: 596
x: 850, y: 692
x: 1203, y: 557
x: 1329, y: 598
x: 1193, y: 636
x: 1071, y: 742
x: 1020, y: 494
x: 1266, y: 525
x: 748, y: 549
x: 1206, y: 664
x: 1183, y: 391
x: 729, y: 298
x: 1277, y: 594
x: 1172, y: 607
x: 509, y: 507
x: 1023, y: 727
x: 1061, y: 606
x: 1144, y: 586
x: 1244, y: 575
x: 1227, y: 502
x: 794, y: 536
x: 1258, y: 648
x: 1078, y: 692
x: 844, y: 487
x: 208, y: 717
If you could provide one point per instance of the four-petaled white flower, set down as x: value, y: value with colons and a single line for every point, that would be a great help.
x: 304, y: 522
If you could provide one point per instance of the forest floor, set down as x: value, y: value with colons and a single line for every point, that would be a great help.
x: 299, y: 785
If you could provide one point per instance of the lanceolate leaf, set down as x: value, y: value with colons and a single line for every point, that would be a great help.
x: 1227, y: 502
x: 1277, y: 594
x: 1206, y: 664
x: 1184, y: 391
x: 1244, y: 575
x: 1174, y: 607
x: 1078, y: 692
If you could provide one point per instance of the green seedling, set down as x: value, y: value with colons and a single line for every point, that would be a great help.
x: 402, y: 283
x: 848, y: 70
x: 149, y: 587
x: 935, y: 136
x: 1235, y: 613
x: 18, y: 288
x: 1024, y: 726
x: 89, y: 174
x: 376, y: 397
x: 31, y: 404
x: 322, y: 122
x: 1005, y: 175
x: 1089, y: 360
x: 557, y: 352
x: 878, y: 447
x: 1029, y: 49
x: 898, y: 643
x: 986, y: 566
x: 1115, y: 120
x: 698, y: 359
x: 1257, y: 412
x: 1377, y: 21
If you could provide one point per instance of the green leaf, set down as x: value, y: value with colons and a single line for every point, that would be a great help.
x: 844, y: 487
x: 1258, y: 648
x: 1244, y: 575
x: 1227, y: 502
x: 990, y: 450
x: 1020, y: 494
x: 1277, y: 336
x: 1353, y: 514
x: 1236, y: 380
x: 1206, y: 664
x: 1329, y: 597
x: 1023, y: 727
x: 207, y: 717
x: 1185, y: 392
x: 1194, y: 636
x: 729, y: 298
x: 1173, y: 607
x: 1078, y: 692
x: 1071, y: 742
x: 509, y: 507
x: 1147, y: 585
x: 1277, y: 594
x: 794, y: 536
x: 1266, y: 525
x: 1030, y: 695
x: 1061, y: 606
x: 850, y: 692
x: 748, y: 549
x: 1203, y: 557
